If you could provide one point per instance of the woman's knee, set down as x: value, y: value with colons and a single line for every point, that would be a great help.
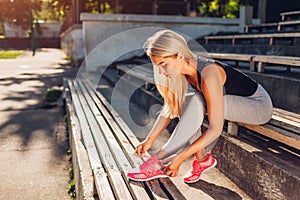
x: 267, y: 115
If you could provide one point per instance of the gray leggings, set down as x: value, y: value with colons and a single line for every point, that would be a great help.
x: 255, y: 109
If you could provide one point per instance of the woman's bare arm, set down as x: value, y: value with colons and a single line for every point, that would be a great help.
x: 212, y: 82
x: 159, y: 126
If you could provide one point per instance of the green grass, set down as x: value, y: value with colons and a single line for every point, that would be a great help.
x: 52, y: 95
x: 11, y: 54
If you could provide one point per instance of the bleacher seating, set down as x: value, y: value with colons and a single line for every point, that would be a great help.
x: 258, y: 62
x: 283, y: 129
x: 109, y: 142
x: 290, y: 21
x: 109, y: 145
x: 277, y: 38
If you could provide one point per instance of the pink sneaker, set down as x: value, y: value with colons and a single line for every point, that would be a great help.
x: 198, y: 168
x: 150, y: 169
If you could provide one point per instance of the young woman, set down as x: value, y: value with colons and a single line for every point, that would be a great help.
x: 220, y: 91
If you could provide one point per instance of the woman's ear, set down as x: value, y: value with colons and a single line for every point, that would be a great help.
x: 180, y: 56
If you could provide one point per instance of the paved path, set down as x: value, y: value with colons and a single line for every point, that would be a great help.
x: 33, y: 144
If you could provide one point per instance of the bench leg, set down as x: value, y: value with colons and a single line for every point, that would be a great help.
x: 147, y: 86
x: 252, y: 66
x: 232, y: 128
x: 237, y: 64
x: 260, y: 67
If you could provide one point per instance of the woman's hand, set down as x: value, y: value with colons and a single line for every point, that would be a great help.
x: 142, y: 148
x: 172, y: 169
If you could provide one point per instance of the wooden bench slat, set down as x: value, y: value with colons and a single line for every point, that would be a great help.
x: 101, y: 180
x: 120, y: 134
x: 167, y: 183
x: 87, y: 138
x: 116, y: 117
x: 233, y: 56
x: 286, y: 114
x: 261, y: 60
x: 290, y: 13
x: 261, y: 25
x: 83, y: 174
x: 270, y: 35
x: 118, y: 184
x: 285, y: 123
x: 138, y: 72
x: 292, y: 22
x: 107, y: 135
x: 269, y: 131
x: 138, y: 189
x: 281, y: 60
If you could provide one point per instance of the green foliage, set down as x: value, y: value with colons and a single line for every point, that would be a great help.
x: 56, y: 9
x: 220, y: 8
x: 214, y: 6
x: 1, y: 30
x: 52, y: 95
x: 72, y: 191
x: 20, y: 12
x: 231, y: 9
x: 70, y: 159
x: 10, y: 54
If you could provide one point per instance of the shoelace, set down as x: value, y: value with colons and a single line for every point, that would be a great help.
x: 149, y: 166
x: 197, y: 167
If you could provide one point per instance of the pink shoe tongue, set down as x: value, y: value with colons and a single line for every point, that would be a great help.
x: 151, y: 164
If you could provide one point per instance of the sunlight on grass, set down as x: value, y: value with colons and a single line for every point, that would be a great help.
x: 10, y: 54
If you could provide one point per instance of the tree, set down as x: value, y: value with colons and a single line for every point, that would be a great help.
x: 20, y: 12
x: 56, y: 9
x: 221, y: 8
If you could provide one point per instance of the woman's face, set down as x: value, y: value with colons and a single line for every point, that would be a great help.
x: 168, y: 66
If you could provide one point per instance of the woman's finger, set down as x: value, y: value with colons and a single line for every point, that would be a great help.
x: 139, y: 151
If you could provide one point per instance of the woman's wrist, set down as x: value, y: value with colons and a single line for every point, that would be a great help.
x: 150, y: 140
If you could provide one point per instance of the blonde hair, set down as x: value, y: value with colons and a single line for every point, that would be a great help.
x: 167, y: 43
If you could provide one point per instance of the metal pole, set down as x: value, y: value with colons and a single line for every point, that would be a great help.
x: 77, y: 11
x: 4, y: 34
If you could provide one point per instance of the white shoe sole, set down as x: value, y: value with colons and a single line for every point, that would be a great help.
x: 148, y: 179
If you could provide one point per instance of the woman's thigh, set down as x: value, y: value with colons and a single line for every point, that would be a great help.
x: 255, y: 109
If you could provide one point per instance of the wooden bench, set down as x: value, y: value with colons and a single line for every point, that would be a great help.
x: 284, y: 126
x: 271, y: 37
x: 110, y: 144
x: 234, y: 57
x: 271, y: 27
x: 260, y: 60
x: 291, y: 14
x: 140, y: 72
x: 287, y: 61
x: 294, y: 23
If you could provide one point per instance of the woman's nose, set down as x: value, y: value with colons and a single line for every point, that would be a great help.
x: 162, y: 70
